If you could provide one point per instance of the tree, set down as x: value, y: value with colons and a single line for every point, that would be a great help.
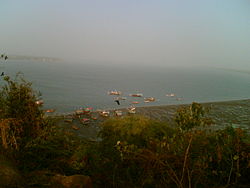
x: 192, y: 116
x: 21, y: 116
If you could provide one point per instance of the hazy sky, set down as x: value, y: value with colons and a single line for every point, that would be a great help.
x: 179, y: 32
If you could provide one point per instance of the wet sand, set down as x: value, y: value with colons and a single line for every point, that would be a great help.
x: 235, y: 113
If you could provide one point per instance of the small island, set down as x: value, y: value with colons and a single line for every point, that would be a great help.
x: 33, y: 58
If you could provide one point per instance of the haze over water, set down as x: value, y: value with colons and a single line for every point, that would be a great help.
x: 189, y: 48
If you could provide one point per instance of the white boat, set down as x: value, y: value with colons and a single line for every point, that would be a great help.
x: 179, y: 99
x: 149, y: 99
x: 114, y: 92
x: 39, y: 102
x: 131, y: 110
x: 118, y: 112
x: 104, y: 113
x: 170, y: 95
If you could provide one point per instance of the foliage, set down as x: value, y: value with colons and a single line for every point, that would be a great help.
x: 133, y: 129
x: 32, y: 139
x: 21, y: 118
x: 192, y: 116
x: 139, y: 152
x: 51, y: 150
x: 105, y: 163
x: 197, y: 159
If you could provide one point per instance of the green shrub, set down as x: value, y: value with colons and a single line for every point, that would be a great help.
x: 192, y: 116
x: 34, y: 141
x: 50, y: 150
x: 107, y: 163
x: 138, y: 152
x: 21, y: 118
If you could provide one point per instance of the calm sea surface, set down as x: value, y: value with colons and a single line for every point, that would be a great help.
x: 67, y: 87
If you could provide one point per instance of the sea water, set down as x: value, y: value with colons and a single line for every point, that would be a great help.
x: 67, y: 86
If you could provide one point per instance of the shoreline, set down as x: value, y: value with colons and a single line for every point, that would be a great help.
x: 59, y: 114
x: 223, y: 113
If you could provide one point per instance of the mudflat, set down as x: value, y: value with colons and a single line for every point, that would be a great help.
x: 235, y: 113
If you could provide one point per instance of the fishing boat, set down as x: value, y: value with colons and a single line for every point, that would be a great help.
x: 179, y: 99
x: 79, y: 112
x: 87, y: 110
x: 104, y: 113
x: 135, y: 102
x: 149, y: 99
x: 50, y: 110
x: 39, y: 102
x: 170, y: 95
x: 136, y: 95
x: 118, y: 112
x: 94, y: 118
x: 115, y: 92
x: 131, y: 110
x: 85, y: 121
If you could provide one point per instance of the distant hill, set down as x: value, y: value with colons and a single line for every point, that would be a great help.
x: 33, y: 58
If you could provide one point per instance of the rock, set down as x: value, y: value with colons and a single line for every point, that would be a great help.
x: 74, y: 181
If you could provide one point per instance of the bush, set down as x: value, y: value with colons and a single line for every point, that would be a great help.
x: 139, y: 152
x: 106, y: 160
x: 35, y: 142
x: 192, y: 116
x: 50, y: 150
x: 21, y: 118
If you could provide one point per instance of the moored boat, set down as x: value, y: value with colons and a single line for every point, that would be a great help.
x: 118, y: 112
x: 39, y: 102
x: 136, y: 95
x: 85, y: 121
x: 149, y: 99
x: 87, y: 110
x: 131, y: 110
x: 115, y: 92
x: 104, y: 113
x: 50, y: 110
x: 170, y: 95
x: 79, y: 112
x: 135, y: 102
